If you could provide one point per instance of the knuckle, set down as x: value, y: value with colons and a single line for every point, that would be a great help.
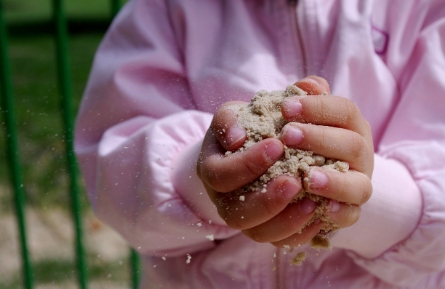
x: 269, y: 208
x: 256, y: 235
x: 271, y: 203
x: 348, y: 215
x: 217, y: 184
x: 312, y: 110
x: 353, y: 216
x: 322, y: 140
x: 214, y: 177
x: 352, y: 111
x: 357, y: 147
x: 367, y: 191
x: 343, y: 193
x: 319, y: 106
x: 231, y: 220
x: 233, y: 223
x: 291, y: 224
x: 253, y: 168
x: 210, y: 176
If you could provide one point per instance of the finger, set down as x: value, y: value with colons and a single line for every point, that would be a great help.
x: 224, y: 124
x: 288, y: 222
x: 331, y: 142
x: 210, y: 147
x: 302, y: 238
x: 255, y: 208
x: 343, y: 214
x: 327, y: 110
x: 350, y: 187
x: 228, y: 173
x: 232, y: 136
x: 314, y: 85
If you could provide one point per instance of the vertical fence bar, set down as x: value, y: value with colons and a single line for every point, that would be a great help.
x: 115, y: 7
x: 64, y: 78
x: 135, y: 269
x: 12, y: 150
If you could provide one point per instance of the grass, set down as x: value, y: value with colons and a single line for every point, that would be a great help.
x: 39, y: 119
x: 37, y: 103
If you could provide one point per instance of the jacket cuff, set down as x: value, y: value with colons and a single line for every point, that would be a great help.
x: 389, y: 217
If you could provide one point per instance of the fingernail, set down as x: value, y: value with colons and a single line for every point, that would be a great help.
x: 307, y: 206
x: 290, y: 189
x: 292, y: 108
x: 318, y: 180
x: 274, y: 151
x: 292, y: 135
x: 234, y: 135
x: 334, y: 206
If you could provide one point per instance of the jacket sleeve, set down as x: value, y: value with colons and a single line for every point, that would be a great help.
x: 412, y: 151
x: 138, y: 132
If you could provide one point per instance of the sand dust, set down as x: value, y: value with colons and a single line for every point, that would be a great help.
x: 298, y: 259
x: 262, y: 119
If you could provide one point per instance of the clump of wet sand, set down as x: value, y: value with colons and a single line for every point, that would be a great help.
x: 262, y: 119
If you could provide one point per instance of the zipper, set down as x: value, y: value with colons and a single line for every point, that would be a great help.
x: 298, y: 39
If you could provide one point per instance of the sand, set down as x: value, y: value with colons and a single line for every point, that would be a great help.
x: 262, y: 119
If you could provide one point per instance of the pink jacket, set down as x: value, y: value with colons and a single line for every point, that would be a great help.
x: 165, y: 66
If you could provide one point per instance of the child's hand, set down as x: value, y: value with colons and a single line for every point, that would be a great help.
x: 333, y: 127
x: 264, y: 217
x: 268, y: 217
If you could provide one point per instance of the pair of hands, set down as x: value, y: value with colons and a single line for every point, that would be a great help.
x: 328, y: 125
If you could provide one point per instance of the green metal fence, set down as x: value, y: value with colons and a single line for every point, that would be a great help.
x: 61, y: 37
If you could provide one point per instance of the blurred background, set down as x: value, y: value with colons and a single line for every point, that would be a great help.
x: 41, y: 150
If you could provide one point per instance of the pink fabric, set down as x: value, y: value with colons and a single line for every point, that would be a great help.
x: 165, y: 66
